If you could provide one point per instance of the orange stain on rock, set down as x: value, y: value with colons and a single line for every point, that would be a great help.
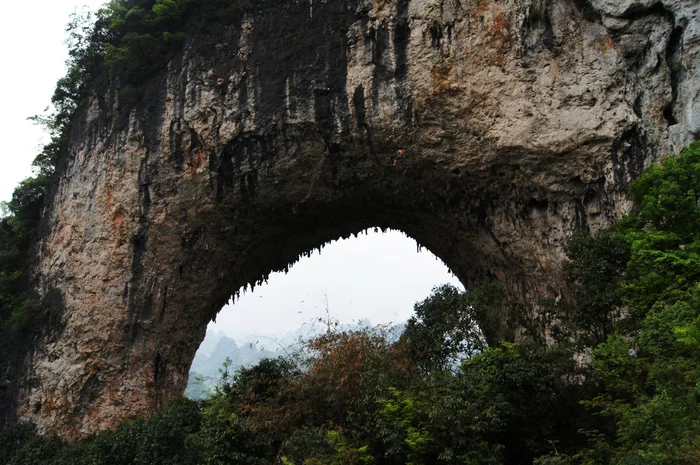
x: 380, y: 8
x: 657, y: 108
x: 501, y: 26
x: 118, y: 226
x: 441, y: 77
x: 195, y: 162
x: 604, y: 45
x: 480, y: 7
x: 108, y: 195
x: 119, y: 217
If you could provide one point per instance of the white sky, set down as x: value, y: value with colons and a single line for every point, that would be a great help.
x: 376, y: 276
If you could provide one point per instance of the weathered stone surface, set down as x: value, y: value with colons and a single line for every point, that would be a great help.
x: 622, y: 7
x: 274, y: 131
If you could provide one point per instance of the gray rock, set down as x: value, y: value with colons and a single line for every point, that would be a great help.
x: 622, y: 7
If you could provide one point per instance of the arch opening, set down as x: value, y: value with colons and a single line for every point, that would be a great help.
x: 185, y: 269
x: 369, y: 280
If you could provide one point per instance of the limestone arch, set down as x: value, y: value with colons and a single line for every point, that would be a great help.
x: 271, y: 134
x: 164, y: 265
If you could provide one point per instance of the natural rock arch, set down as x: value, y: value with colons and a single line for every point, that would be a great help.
x: 274, y: 132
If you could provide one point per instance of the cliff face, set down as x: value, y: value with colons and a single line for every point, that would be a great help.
x: 274, y: 130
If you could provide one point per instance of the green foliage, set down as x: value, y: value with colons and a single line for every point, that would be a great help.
x: 324, y: 446
x: 399, y: 428
x: 164, y: 439
x: 664, y: 232
x: 344, y: 453
x: 140, y: 55
x: 522, y: 396
x: 307, y: 445
x: 446, y: 326
x: 139, y: 37
x: 666, y: 196
x: 650, y: 381
x: 595, y: 271
x: 262, y: 383
x: 17, y: 233
x: 171, y: 10
x: 226, y: 436
x: 654, y: 398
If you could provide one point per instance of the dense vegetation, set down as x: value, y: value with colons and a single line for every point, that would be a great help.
x: 610, y: 377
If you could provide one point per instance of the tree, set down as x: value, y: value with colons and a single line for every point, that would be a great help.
x: 663, y: 231
x: 650, y: 386
x: 446, y: 327
x: 595, y: 273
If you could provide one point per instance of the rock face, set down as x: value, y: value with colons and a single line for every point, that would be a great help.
x: 274, y: 130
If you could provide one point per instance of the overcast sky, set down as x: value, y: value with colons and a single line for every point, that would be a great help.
x: 376, y: 276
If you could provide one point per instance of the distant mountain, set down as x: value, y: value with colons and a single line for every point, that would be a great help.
x: 209, y: 343
x: 225, y: 348
x: 217, y: 347
x: 211, y: 356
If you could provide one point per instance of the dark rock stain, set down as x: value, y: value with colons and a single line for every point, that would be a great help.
x: 177, y: 152
x: 323, y: 114
x: 587, y: 11
x: 581, y: 220
x: 637, y: 107
x: 675, y: 45
x: 314, y: 49
x: 435, y: 35
x: 358, y: 101
x: 538, y: 32
x: 225, y: 168
x: 194, y: 144
x: 628, y: 153
x: 402, y: 38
